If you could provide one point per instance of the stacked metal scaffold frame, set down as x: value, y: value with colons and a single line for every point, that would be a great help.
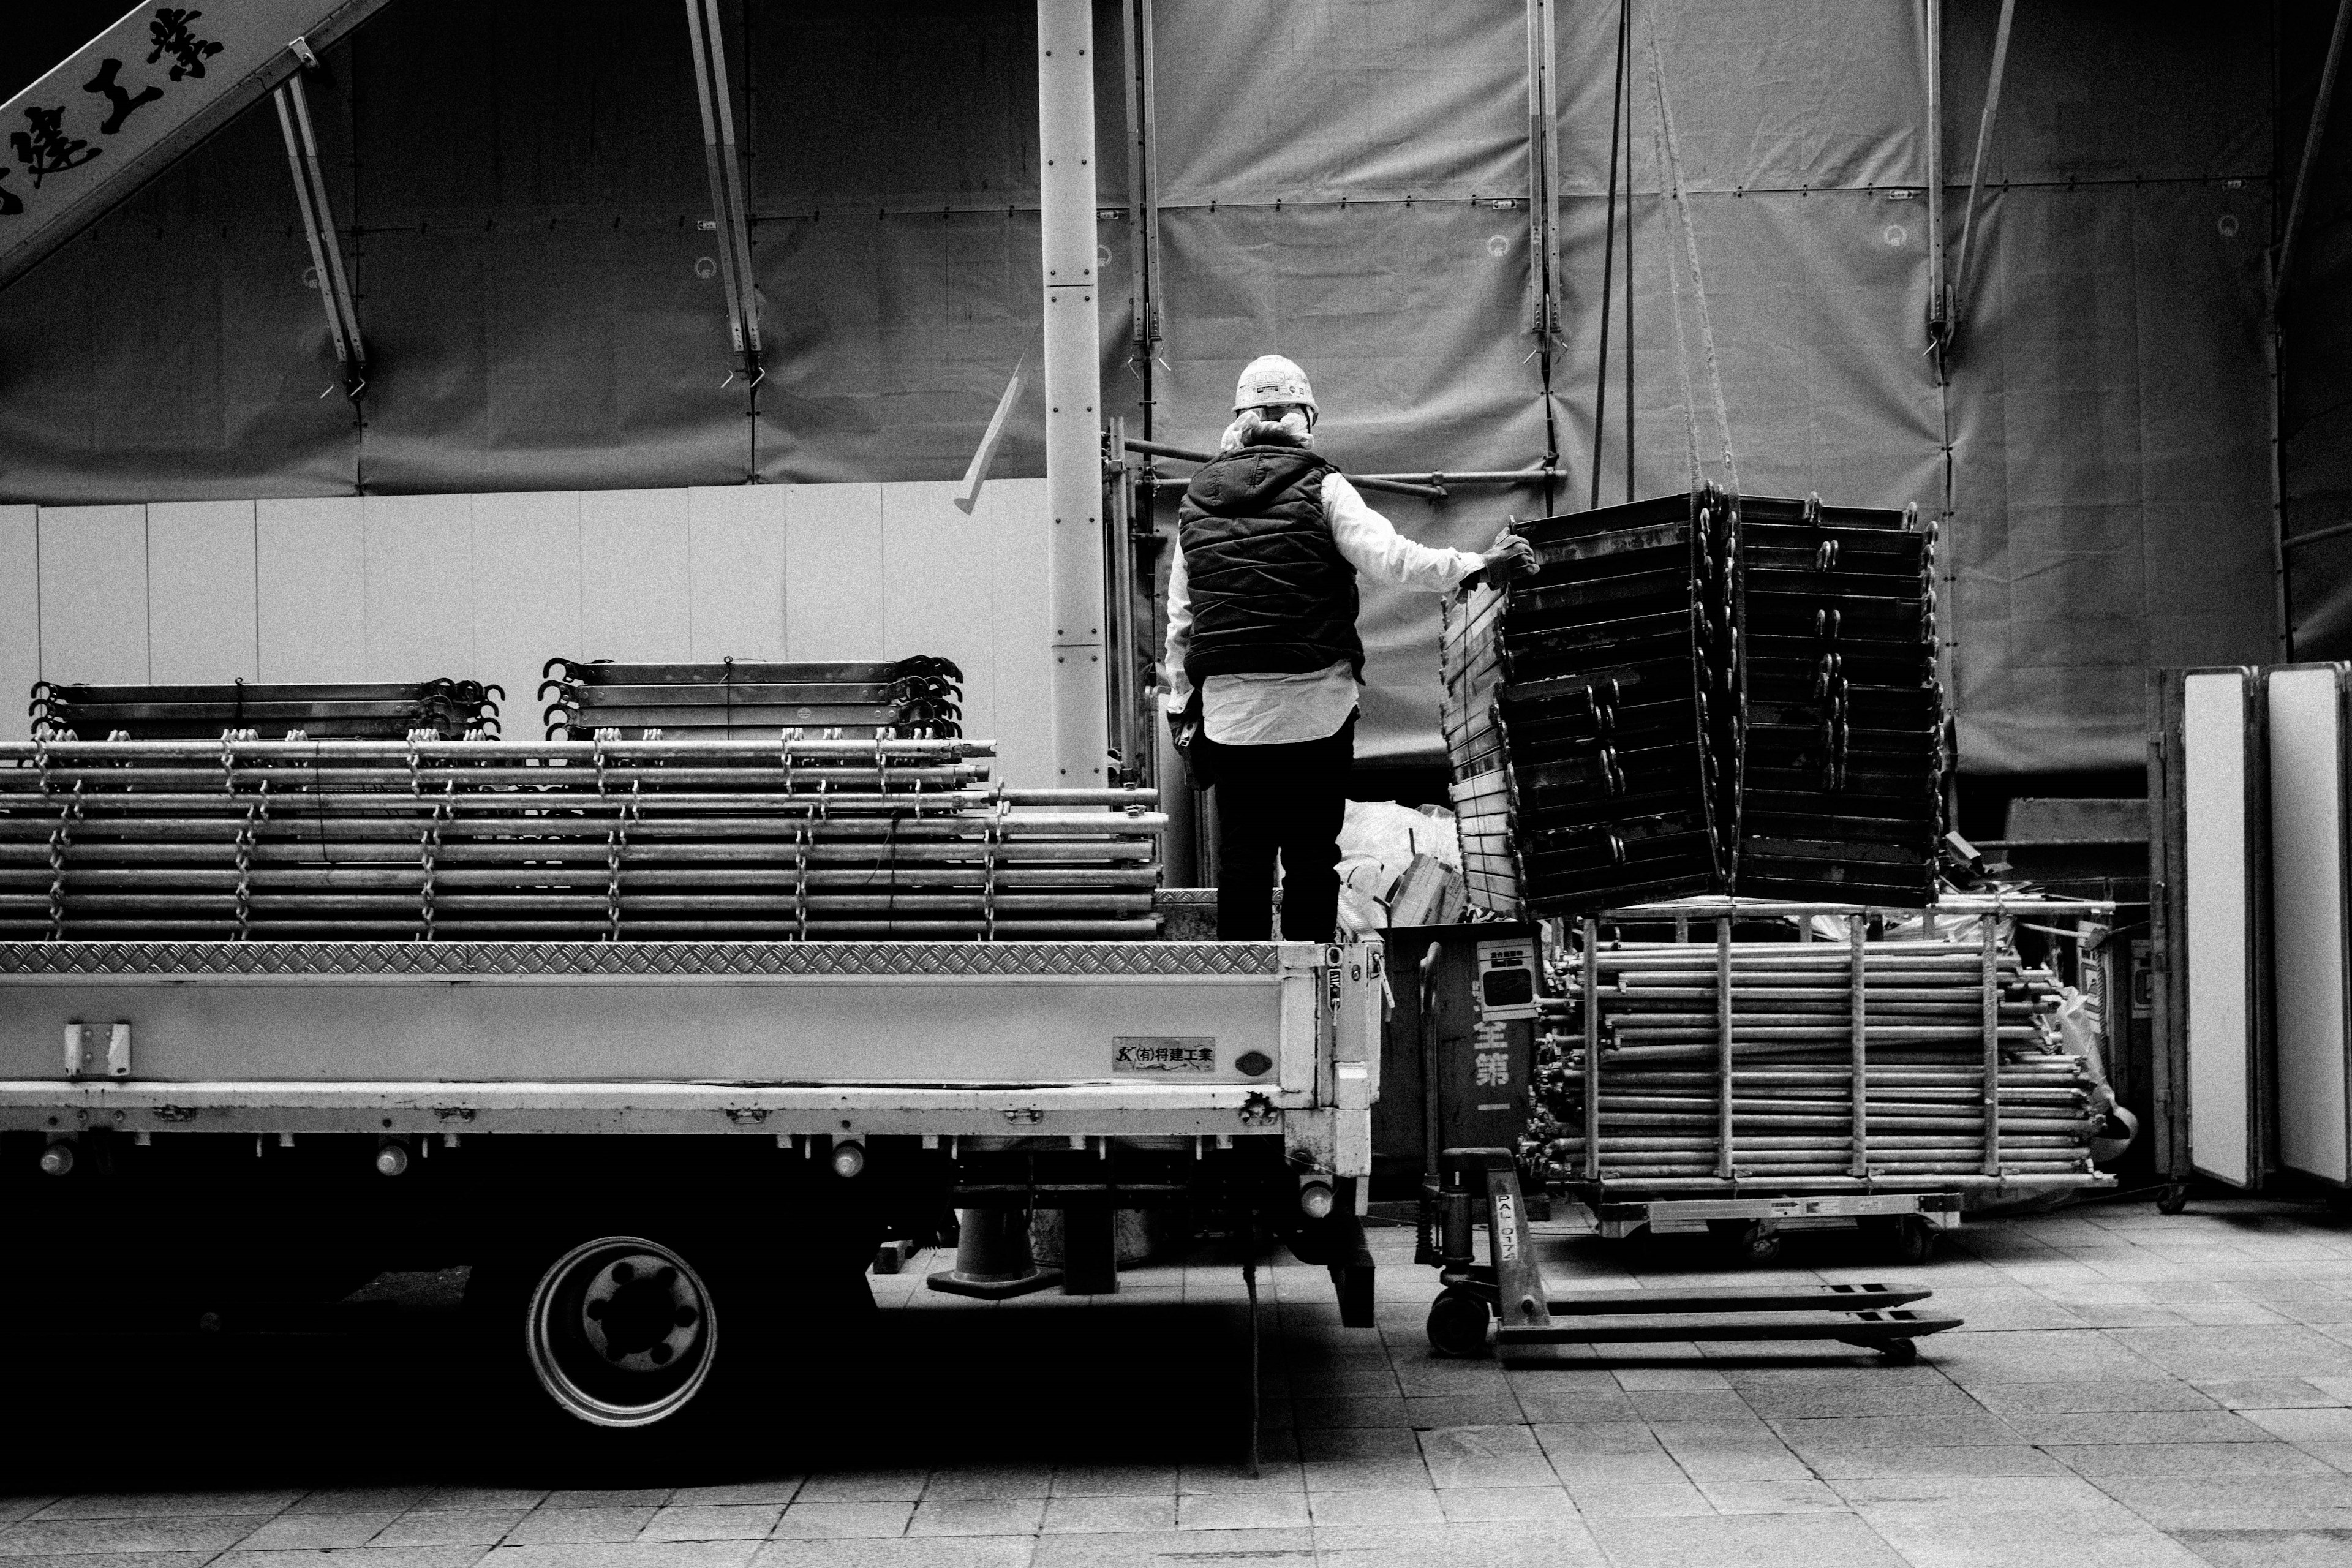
x: 909, y: 699
x: 381, y: 710
x: 790, y: 839
x: 1731, y: 1068
x: 1700, y: 694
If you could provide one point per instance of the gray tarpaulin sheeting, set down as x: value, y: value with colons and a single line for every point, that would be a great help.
x: 542, y: 310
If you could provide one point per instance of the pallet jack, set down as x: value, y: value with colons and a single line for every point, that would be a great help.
x: 1536, y: 1311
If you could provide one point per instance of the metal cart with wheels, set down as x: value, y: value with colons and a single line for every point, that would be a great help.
x: 1509, y: 1292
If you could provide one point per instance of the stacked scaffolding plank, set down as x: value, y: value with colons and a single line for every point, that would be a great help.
x: 449, y: 710
x: 791, y: 839
x: 1761, y: 1066
x: 1585, y: 712
x: 1700, y: 694
x: 907, y: 699
x: 1841, y: 713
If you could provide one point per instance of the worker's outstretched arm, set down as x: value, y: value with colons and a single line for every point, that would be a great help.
x: 1374, y: 547
x: 1172, y: 679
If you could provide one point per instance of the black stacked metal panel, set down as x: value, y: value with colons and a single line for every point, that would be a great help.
x: 1585, y: 709
x: 1842, y: 792
x: 376, y: 711
x: 907, y: 699
x: 1700, y: 694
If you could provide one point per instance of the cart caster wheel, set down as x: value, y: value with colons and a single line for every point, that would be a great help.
x: 1899, y: 1353
x: 1747, y: 1241
x: 1907, y: 1238
x: 2173, y: 1199
x: 1457, y: 1324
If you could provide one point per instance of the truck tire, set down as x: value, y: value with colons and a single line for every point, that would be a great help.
x: 625, y: 1343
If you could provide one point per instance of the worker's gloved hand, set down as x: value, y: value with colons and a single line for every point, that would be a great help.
x: 1511, y: 557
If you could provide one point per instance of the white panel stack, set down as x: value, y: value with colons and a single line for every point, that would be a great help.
x: 2311, y: 933
x: 2222, y: 767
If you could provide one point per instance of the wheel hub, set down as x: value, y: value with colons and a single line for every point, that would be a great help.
x: 621, y: 1332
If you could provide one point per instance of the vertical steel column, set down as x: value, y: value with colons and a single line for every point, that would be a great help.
x: 1989, y: 977
x: 1855, y: 929
x: 1543, y: 215
x: 1591, y: 1050
x: 1723, y: 1166
x: 1074, y: 480
x: 318, y: 221
x: 1127, y: 734
x: 1939, y: 311
x: 1143, y: 198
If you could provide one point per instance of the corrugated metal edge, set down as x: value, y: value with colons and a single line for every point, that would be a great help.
x: 716, y: 960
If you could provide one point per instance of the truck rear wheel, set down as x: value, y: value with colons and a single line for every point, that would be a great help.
x: 622, y: 1331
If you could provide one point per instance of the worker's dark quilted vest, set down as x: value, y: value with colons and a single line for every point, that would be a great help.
x: 1271, y: 593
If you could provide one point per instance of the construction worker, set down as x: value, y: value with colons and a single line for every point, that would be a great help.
x: 1262, y: 658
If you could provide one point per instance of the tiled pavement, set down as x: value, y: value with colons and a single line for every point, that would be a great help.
x: 2131, y: 1391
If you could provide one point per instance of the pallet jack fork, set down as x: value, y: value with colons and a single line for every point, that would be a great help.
x: 1533, y: 1312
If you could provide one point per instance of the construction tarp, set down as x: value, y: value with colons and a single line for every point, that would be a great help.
x: 1343, y: 181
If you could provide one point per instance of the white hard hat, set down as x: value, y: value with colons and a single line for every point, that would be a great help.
x: 1272, y: 379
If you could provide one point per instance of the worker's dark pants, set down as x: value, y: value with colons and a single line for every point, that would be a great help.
x: 1285, y: 800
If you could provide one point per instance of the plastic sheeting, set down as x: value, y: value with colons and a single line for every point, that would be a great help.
x: 543, y: 311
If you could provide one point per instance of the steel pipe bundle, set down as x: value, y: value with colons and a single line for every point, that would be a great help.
x: 1746, y: 1065
x: 794, y: 838
x: 907, y: 699
x: 1700, y: 694
x: 451, y: 709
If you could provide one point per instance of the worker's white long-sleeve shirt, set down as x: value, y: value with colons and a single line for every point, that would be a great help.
x: 1279, y: 709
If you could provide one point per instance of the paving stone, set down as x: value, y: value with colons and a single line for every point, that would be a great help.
x: 625, y: 1554
x: 867, y: 1486
x: 977, y: 1516
x: 2189, y: 1459
x: 2146, y: 1426
x: 1116, y: 1481
x: 1967, y: 1538
x: 2202, y: 1502
x: 2329, y: 1425
x: 1291, y: 1548
x: 780, y: 1490
x: 714, y: 1522
x: 1861, y: 1398
x: 1792, y: 1496
x: 1576, y: 1405
x: 1368, y: 1475
x: 1554, y: 1544
x: 149, y: 1532
x: 1594, y: 1500
x: 2319, y: 1547
x: 1374, y: 1508
x: 445, y: 1500
x: 173, y: 1504
x: 817, y: 1520
x: 2282, y: 1350
x: 452, y: 1527
x: 319, y: 1557
x: 1241, y: 1510
x: 1109, y: 1515
x: 348, y: 1499
x: 579, y: 1526
x: 945, y: 1551
x: 1897, y: 1459
x: 1479, y: 1504
x: 2084, y: 1398
x: 650, y: 1497
x: 1980, y: 1430
x: 1744, y: 1540
x: 990, y: 1481
x: 1274, y: 1476
x: 1485, y: 1456
x: 316, y: 1532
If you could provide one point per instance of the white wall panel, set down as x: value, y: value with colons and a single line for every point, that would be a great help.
x: 1013, y: 513
x: 526, y: 596
x: 420, y: 602
x: 2308, y: 927
x: 736, y: 563
x: 938, y: 591
x: 94, y: 593
x: 2223, y: 1132
x: 634, y: 577
x: 203, y: 619
x: 311, y: 569
x: 833, y: 573
x: 20, y: 616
